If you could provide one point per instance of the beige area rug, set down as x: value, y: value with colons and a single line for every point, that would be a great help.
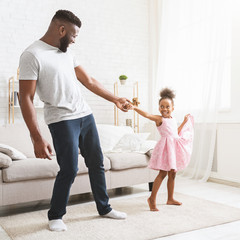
x: 84, y: 223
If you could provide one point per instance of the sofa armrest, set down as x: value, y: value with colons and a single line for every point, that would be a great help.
x: 1, y: 188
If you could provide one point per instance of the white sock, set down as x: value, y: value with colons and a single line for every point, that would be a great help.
x: 57, y: 225
x: 115, y: 214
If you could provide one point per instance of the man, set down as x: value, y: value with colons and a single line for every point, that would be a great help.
x: 47, y: 67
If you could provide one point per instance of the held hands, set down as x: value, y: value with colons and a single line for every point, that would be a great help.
x: 124, y: 104
x: 42, y: 149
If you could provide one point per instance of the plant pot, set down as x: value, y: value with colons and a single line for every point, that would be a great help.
x: 123, y: 81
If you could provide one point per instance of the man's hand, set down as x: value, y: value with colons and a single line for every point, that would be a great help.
x: 42, y: 149
x: 124, y: 104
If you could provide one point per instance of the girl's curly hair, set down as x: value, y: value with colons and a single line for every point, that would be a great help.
x: 167, y: 93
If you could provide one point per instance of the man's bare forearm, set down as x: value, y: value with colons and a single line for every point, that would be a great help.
x: 97, y: 88
x: 30, y: 117
x: 94, y: 86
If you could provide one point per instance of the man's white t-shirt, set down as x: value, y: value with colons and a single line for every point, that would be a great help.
x: 57, y: 84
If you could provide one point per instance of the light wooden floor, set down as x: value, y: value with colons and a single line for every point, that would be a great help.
x: 221, y: 193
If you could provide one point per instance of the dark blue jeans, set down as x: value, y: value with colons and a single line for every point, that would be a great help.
x: 67, y: 137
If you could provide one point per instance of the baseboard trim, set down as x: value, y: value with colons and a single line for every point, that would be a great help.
x: 224, y: 181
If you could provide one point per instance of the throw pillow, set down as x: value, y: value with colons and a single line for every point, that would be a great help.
x: 147, y: 147
x: 5, y: 160
x: 110, y: 135
x: 131, y: 142
x: 13, y: 153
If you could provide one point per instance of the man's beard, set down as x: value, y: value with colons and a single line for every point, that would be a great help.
x: 64, y: 42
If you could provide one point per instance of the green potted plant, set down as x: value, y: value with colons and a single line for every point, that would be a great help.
x: 123, y: 79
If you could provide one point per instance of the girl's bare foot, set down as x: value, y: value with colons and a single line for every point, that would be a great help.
x: 173, y: 202
x: 152, y: 205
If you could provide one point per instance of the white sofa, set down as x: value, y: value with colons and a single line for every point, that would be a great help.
x: 32, y: 179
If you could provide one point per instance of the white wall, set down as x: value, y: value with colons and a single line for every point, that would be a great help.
x: 227, y: 154
x: 233, y: 114
x: 113, y: 40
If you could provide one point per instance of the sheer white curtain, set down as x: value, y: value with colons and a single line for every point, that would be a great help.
x: 193, y: 59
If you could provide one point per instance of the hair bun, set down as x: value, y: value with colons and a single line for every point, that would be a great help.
x: 167, y: 93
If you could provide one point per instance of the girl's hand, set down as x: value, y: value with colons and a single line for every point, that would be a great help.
x: 128, y: 106
x: 183, y: 123
x: 132, y: 107
x: 186, y: 118
x: 123, y: 104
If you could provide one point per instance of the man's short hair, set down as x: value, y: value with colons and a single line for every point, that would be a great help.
x: 67, y: 16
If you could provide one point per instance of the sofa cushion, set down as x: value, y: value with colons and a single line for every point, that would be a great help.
x: 36, y: 168
x: 30, y: 168
x: 5, y: 160
x: 121, y: 161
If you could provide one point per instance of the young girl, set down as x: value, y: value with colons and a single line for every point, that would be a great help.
x: 173, y: 151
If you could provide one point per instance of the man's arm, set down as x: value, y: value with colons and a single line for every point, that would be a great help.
x: 96, y: 87
x: 27, y: 88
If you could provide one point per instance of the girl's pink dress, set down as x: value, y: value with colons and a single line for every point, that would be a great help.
x: 172, y: 151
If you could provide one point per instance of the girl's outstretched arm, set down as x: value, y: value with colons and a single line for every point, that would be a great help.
x: 184, y: 121
x: 156, y: 118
